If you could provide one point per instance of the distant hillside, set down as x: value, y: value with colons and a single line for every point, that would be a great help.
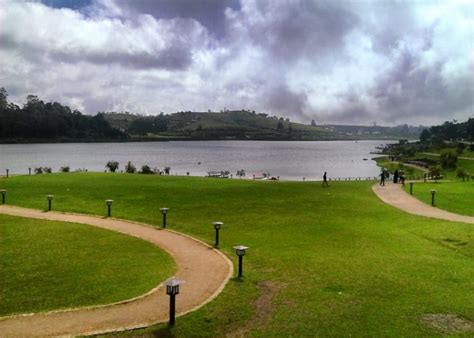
x: 243, y: 125
x: 376, y: 132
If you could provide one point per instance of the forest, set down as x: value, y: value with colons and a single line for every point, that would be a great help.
x: 51, y: 121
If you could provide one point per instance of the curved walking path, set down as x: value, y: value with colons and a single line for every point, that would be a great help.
x: 394, y: 195
x: 205, y: 270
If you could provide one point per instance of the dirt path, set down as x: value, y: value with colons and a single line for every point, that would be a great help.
x: 394, y: 195
x: 205, y: 270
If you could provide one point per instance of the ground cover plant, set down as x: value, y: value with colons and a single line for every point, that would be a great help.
x: 322, y: 261
x: 54, y: 265
x: 454, y: 196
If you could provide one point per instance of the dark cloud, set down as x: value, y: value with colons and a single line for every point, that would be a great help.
x: 279, y: 98
x: 210, y: 13
x: 291, y: 30
x: 410, y: 89
x: 334, y: 61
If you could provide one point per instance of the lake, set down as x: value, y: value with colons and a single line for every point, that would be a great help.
x: 289, y: 160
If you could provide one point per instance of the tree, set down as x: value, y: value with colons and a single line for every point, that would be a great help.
x: 460, y: 147
x: 435, y: 172
x: 461, y: 173
x: 280, y: 125
x: 3, y: 98
x: 448, y: 159
x: 313, y: 123
x: 130, y: 168
x: 112, y: 166
x: 146, y: 170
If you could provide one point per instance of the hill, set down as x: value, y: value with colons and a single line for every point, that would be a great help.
x: 244, y: 125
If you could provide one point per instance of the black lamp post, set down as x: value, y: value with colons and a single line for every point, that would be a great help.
x: 433, y: 193
x: 4, y: 196
x: 217, y: 226
x: 164, y: 211
x: 109, y: 207
x: 8, y: 172
x: 172, y: 289
x: 240, y: 251
x: 411, y: 188
x: 29, y: 171
x: 50, y: 200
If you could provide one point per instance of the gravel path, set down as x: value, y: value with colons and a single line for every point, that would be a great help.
x: 205, y: 270
x: 394, y: 195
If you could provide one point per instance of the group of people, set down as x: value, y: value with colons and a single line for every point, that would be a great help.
x: 398, y: 176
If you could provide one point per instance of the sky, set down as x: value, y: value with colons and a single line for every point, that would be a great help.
x: 346, y: 62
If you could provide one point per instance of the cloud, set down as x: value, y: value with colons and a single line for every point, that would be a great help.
x: 165, y: 44
x: 333, y: 61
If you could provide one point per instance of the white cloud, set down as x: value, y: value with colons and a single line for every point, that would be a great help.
x: 332, y: 61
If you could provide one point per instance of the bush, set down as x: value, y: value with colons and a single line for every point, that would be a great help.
x: 130, y: 168
x: 65, y: 169
x: 435, y: 172
x: 39, y: 170
x: 146, y: 170
x: 460, y: 147
x: 47, y: 170
x: 448, y: 159
x: 461, y: 173
x: 112, y: 166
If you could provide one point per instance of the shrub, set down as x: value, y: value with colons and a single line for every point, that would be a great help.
x: 448, y: 159
x: 47, y: 170
x: 38, y: 170
x: 460, y: 147
x: 112, y: 166
x: 65, y: 169
x: 435, y: 172
x: 130, y: 168
x: 461, y: 173
x: 146, y: 170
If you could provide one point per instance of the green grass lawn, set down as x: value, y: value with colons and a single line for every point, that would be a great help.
x: 410, y: 171
x: 454, y: 196
x: 53, y: 265
x: 322, y: 261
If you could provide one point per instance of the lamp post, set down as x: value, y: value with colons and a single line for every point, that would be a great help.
x: 4, y: 196
x: 172, y: 289
x: 29, y: 171
x: 411, y: 188
x: 217, y: 226
x: 164, y: 211
x: 109, y: 207
x: 433, y: 193
x: 240, y: 251
x: 50, y: 199
x: 8, y: 172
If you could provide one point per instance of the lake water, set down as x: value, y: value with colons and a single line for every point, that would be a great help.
x: 289, y: 160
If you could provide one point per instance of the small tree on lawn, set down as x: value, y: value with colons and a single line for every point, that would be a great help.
x: 130, y: 168
x: 435, y: 173
x: 460, y: 147
x: 448, y: 159
x: 461, y: 173
x: 147, y: 170
x: 112, y: 166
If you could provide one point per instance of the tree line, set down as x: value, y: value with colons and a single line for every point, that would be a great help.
x: 449, y: 131
x: 37, y: 120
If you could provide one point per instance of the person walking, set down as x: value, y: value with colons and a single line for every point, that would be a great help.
x: 325, y: 180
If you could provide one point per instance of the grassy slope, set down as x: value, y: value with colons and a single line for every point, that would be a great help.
x: 333, y: 266
x: 454, y: 196
x: 51, y: 265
